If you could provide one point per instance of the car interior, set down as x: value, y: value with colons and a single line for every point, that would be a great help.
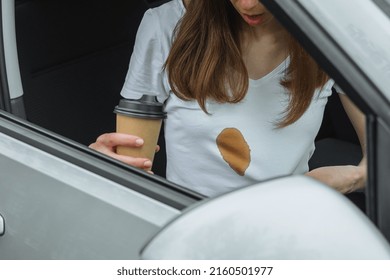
x: 73, y: 58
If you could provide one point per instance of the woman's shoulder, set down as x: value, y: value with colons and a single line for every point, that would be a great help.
x: 164, y: 18
x: 169, y: 10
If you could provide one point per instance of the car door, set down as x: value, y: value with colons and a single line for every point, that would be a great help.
x: 60, y: 200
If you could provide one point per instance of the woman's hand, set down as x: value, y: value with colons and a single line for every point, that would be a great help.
x: 344, y: 179
x: 107, y: 143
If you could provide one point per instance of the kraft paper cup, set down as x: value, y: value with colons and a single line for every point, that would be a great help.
x: 142, y: 118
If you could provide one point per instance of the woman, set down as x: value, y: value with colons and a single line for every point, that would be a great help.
x: 244, y: 100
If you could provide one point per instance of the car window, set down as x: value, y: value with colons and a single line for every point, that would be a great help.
x: 73, y: 68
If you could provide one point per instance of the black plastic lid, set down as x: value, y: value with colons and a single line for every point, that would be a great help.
x: 146, y: 107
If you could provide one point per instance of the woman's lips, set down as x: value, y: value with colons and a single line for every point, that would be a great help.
x: 253, y: 19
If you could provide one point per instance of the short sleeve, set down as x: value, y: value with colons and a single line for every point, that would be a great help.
x: 145, y: 75
x: 338, y: 89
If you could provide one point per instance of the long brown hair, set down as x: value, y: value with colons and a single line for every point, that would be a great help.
x: 205, y: 61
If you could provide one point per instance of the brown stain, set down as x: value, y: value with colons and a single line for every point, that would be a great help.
x: 234, y: 149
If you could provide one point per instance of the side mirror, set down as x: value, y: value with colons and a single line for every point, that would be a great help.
x: 288, y: 218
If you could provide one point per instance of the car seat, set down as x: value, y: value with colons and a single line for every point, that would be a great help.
x: 73, y: 58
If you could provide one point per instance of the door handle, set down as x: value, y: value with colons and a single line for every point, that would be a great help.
x: 2, y: 225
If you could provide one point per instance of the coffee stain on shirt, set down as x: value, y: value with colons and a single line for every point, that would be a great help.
x: 234, y: 150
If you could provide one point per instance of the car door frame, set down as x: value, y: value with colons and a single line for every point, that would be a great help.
x: 11, y: 89
x: 361, y: 90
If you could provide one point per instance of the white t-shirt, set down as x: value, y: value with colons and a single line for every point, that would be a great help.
x: 235, y: 145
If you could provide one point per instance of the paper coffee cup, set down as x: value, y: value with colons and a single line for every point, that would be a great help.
x: 143, y: 118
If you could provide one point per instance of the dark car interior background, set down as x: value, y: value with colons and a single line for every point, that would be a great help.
x: 73, y: 59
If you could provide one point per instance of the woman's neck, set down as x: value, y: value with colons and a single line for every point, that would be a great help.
x: 263, y: 48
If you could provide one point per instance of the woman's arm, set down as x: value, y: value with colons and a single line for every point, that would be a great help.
x: 143, y: 77
x: 347, y: 178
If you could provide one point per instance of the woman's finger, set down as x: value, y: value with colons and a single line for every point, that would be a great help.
x: 119, y: 139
